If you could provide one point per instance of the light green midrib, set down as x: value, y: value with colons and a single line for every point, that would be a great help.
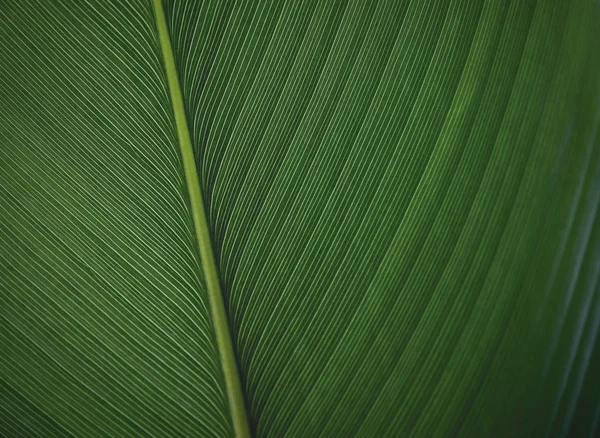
x: 219, y: 317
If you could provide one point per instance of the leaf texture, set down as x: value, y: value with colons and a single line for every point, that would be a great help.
x: 105, y: 327
x: 402, y: 199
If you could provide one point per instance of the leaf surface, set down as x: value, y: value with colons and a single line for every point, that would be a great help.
x: 401, y: 200
x: 104, y: 313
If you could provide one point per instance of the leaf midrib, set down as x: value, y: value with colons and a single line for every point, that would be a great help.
x: 215, y: 297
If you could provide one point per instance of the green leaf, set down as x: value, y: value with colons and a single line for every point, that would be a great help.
x: 299, y: 218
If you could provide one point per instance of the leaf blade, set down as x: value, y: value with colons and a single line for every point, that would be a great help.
x: 372, y: 221
x: 105, y: 323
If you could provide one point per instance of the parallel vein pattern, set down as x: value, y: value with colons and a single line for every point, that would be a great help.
x: 211, y: 276
x: 403, y: 201
x: 104, y: 321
